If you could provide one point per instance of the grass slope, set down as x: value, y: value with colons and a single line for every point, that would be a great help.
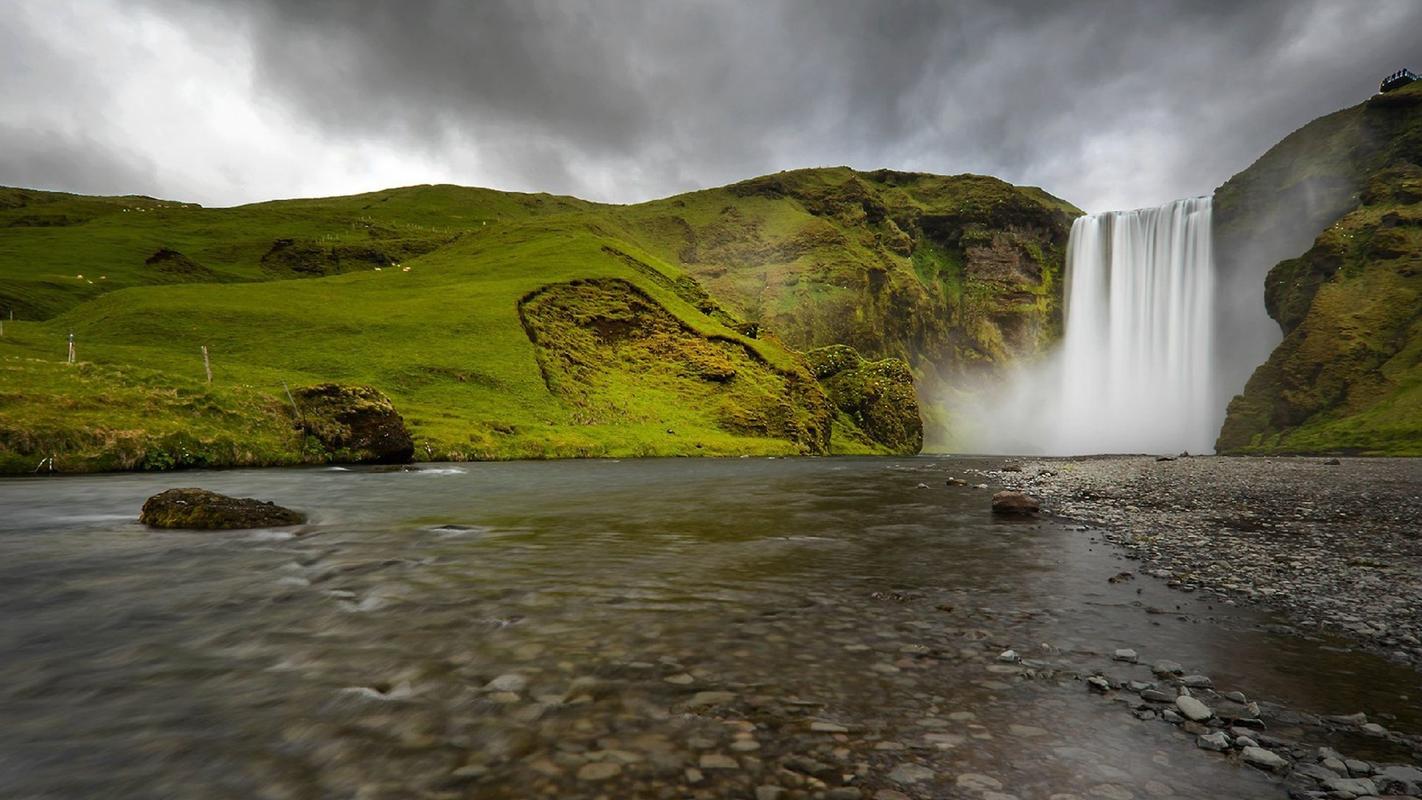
x: 418, y: 292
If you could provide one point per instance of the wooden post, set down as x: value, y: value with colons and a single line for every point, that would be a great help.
x: 206, y: 364
x: 294, y: 407
x: 71, y: 347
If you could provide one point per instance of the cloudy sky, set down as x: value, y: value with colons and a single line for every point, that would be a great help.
x: 1107, y: 104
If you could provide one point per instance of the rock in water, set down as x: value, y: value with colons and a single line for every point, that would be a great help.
x: 199, y: 509
x: 355, y: 423
x: 1009, y: 502
x: 1264, y: 759
x: 1193, y: 709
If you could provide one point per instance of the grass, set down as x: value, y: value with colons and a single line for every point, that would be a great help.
x: 417, y: 292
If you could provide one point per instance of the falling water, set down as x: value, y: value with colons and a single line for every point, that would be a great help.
x: 1137, y: 356
x: 1134, y: 371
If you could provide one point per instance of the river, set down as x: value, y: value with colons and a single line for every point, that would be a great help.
x: 655, y: 628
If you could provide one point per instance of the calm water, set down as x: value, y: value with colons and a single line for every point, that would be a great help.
x: 553, y: 629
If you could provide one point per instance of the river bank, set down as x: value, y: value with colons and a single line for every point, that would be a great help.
x: 1330, y: 543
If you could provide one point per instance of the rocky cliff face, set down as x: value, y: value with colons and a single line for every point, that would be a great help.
x: 1338, y: 381
x: 956, y: 275
x: 1348, y: 375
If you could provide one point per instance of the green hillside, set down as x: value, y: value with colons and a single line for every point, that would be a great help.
x: 1348, y: 375
x: 501, y: 325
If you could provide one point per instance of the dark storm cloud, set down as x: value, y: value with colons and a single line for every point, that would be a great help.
x: 1103, y: 103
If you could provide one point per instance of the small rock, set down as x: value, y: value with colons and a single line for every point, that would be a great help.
x: 910, y: 773
x: 1197, y: 682
x: 598, y: 771
x: 827, y: 727
x: 1015, y: 503
x: 1264, y: 759
x: 1193, y: 709
x: 1374, y: 729
x: 1125, y: 654
x: 1358, y: 768
x: 1245, y: 741
x: 702, y: 699
x: 1349, y: 788
x: 1166, y: 668
x: 1098, y: 683
x: 508, y: 682
x: 1217, y: 741
x: 769, y: 792
x: 1009, y: 657
x: 1157, y: 696
x: 717, y: 761
x: 1237, y: 697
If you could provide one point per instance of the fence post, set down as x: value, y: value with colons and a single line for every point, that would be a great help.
x: 71, y: 347
x: 206, y: 364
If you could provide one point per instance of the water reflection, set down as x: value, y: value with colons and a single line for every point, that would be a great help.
x: 648, y: 629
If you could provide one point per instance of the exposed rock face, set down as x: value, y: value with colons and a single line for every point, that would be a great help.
x: 356, y: 424
x: 199, y: 509
x: 877, y: 396
x: 1346, y: 376
x: 617, y: 356
x: 173, y: 265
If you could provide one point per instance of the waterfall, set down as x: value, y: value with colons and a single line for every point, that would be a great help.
x: 1137, y: 357
x: 1134, y: 371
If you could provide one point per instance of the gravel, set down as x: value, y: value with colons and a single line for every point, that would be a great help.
x: 1331, y: 546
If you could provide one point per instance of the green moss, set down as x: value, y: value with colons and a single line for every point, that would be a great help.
x: 1348, y: 375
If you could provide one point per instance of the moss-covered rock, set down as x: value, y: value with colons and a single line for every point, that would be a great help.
x: 1348, y: 375
x: 356, y: 424
x: 618, y: 357
x: 875, y: 398
x: 200, y: 509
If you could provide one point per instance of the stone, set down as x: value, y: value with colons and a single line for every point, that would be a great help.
x: 1157, y: 696
x: 910, y: 773
x: 844, y: 793
x: 769, y: 792
x: 1237, y: 697
x: 703, y: 699
x: 977, y: 782
x: 1012, y: 503
x: 1349, y: 788
x: 1197, y: 682
x: 1009, y: 657
x: 1358, y: 768
x: 1264, y: 759
x: 1217, y: 741
x: 1166, y: 668
x: 827, y: 727
x: 354, y: 423
x: 1193, y: 709
x: 199, y: 509
x: 1315, y: 771
x: 1374, y: 729
x: 1399, y: 779
x: 1125, y: 654
x: 1245, y: 741
x: 717, y: 761
x: 1098, y: 683
x: 508, y: 682
x: 599, y: 771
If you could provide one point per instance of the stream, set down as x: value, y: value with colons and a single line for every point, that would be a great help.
x: 658, y: 628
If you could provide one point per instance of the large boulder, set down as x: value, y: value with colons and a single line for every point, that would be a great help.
x: 877, y: 396
x: 1015, y: 503
x: 356, y: 424
x: 200, y: 509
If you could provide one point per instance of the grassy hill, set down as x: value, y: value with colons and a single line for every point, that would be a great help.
x: 501, y: 325
x: 1348, y: 375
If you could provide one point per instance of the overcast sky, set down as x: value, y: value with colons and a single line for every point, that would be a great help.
x: 1106, y: 104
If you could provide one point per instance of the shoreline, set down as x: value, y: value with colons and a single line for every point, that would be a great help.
x: 1329, y: 546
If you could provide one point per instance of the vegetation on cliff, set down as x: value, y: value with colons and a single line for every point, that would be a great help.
x: 1346, y: 376
x: 455, y: 304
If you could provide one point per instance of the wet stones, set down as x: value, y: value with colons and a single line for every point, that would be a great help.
x: 1349, y: 788
x: 1125, y: 654
x: 1193, y: 709
x: 1218, y: 741
x: 1166, y: 669
x: 911, y: 773
x: 1010, y: 503
x: 1263, y: 759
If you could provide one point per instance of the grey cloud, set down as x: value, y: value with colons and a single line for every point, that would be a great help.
x: 1100, y: 102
